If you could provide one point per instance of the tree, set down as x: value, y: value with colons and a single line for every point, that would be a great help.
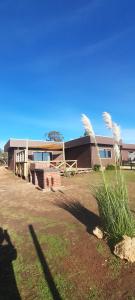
x: 54, y: 136
x: 85, y: 133
x: 3, y: 157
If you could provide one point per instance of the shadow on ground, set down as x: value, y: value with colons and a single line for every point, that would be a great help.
x: 46, y: 271
x: 81, y: 213
x: 8, y: 286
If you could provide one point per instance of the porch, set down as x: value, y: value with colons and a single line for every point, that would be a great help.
x: 23, y: 165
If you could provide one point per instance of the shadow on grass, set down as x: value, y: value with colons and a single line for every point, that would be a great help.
x: 47, y: 274
x: 8, y: 286
x: 82, y: 214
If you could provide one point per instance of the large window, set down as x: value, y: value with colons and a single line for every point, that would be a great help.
x: 41, y: 156
x: 105, y: 153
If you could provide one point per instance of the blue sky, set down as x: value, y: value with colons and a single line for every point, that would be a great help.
x: 59, y: 59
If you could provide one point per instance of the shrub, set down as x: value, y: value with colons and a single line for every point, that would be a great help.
x: 73, y: 173
x: 110, y: 167
x: 112, y: 199
x: 67, y: 173
x: 114, y: 211
x: 96, y: 167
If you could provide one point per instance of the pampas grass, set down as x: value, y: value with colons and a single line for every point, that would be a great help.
x: 87, y: 125
x: 116, y: 133
x: 114, y: 211
x: 112, y: 199
x: 108, y: 120
x: 117, y: 152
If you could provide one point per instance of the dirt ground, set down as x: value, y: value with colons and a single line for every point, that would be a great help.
x: 47, y: 250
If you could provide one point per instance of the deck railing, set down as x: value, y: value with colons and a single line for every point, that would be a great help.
x: 23, y: 164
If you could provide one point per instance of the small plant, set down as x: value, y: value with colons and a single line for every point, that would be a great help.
x: 110, y: 167
x: 96, y: 167
x: 67, y: 173
x: 73, y: 173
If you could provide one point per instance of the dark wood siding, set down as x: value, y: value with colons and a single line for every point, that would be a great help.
x: 11, y: 159
x: 81, y: 154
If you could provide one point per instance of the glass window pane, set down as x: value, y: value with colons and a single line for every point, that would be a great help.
x: 37, y: 156
x: 102, y: 153
x: 46, y: 156
x: 109, y: 153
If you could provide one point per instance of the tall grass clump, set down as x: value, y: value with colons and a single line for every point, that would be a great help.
x: 112, y: 196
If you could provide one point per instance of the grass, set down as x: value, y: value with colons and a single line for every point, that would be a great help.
x: 114, y: 266
x: 30, y: 277
x: 131, y: 298
x: 100, y: 248
x: 114, y: 211
x: 95, y: 293
x: 56, y: 245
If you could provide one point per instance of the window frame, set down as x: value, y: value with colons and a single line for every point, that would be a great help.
x: 106, y: 150
x: 39, y: 151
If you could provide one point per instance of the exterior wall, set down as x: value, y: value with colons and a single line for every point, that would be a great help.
x: 80, y: 153
x: 124, y: 155
x: 39, y: 165
x: 11, y: 159
x: 46, y: 178
x: 105, y: 161
x: 57, y: 155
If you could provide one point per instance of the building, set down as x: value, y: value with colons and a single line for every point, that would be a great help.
x: 79, y: 152
x: 36, y: 161
x: 84, y: 151
x: 37, y: 151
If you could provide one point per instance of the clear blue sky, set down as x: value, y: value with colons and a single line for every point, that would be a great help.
x: 59, y: 59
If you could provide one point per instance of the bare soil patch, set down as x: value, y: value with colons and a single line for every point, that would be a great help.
x: 57, y: 257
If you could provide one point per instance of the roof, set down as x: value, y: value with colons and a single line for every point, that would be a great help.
x: 101, y: 140
x: 33, y: 144
x: 128, y: 147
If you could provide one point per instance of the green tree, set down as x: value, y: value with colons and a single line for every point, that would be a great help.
x: 3, y: 157
x: 86, y: 133
x: 54, y: 136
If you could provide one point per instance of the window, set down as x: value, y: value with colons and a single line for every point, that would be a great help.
x: 105, y: 153
x: 131, y: 156
x: 41, y: 156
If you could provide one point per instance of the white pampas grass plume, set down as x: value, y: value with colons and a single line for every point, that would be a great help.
x: 108, y: 120
x: 116, y: 132
x: 117, y: 152
x: 87, y: 125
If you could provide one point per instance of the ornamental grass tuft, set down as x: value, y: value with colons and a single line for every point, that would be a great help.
x: 116, y: 217
x: 112, y: 198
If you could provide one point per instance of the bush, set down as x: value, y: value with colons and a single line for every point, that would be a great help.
x: 114, y: 211
x: 73, y: 173
x: 96, y: 168
x: 110, y: 167
x: 67, y: 173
